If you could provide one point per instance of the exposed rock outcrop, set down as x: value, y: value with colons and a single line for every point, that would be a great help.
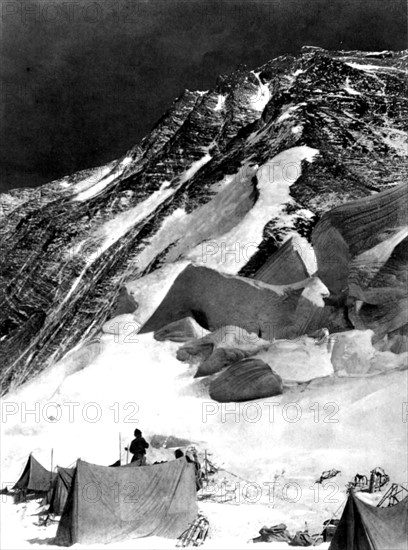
x: 125, y: 303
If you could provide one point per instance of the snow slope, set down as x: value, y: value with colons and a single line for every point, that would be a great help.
x: 231, y: 527
x: 224, y: 233
x: 135, y: 381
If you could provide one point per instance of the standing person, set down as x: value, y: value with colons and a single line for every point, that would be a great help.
x: 138, y: 449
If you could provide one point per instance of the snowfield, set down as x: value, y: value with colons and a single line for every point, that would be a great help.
x: 274, y: 179
x: 224, y: 233
x: 231, y: 527
x: 79, y: 408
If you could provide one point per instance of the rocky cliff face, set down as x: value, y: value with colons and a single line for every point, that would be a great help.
x: 244, y: 166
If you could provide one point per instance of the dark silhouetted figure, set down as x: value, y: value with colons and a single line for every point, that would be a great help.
x: 138, y: 449
x: 191, y: 456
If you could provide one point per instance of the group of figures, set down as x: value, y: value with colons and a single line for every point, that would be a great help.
x: 138, y: 449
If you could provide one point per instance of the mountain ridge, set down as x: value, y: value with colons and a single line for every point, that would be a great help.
x: 70, y: 245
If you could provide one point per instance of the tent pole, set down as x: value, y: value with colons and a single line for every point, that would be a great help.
x: 337, y: 511
x: 206, y: 468
x: 120, y: 449
x: 52, y: 460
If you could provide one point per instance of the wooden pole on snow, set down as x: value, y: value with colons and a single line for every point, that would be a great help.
x: 52, y: 460
x: 120, y: 449
x: 206, y: 467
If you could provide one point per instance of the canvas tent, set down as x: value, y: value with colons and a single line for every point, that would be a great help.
x: 35, y: 478
x: 111, y: 504
x: 366, y: 527
x: 60, y: 490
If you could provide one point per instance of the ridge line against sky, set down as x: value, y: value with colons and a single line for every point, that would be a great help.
x: 82, y: 81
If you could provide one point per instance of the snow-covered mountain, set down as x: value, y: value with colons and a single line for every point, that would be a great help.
x: 237, y: 279
x: 223, y: 179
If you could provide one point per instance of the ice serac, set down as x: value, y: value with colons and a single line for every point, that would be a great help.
x: 180, y: 331
x: 246, y: 380
x: 243, y: 167
x: 355, y: 355
x: 299, y: 360
x: 352, y: 351
x: 221, y: 348
x: 218, y: 300
x: 362, y: 254
x: 293, y: 262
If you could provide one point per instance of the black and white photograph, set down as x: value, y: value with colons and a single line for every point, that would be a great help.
x: 204, y: 274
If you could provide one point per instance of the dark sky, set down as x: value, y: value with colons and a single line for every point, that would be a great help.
x: 84, y: 80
